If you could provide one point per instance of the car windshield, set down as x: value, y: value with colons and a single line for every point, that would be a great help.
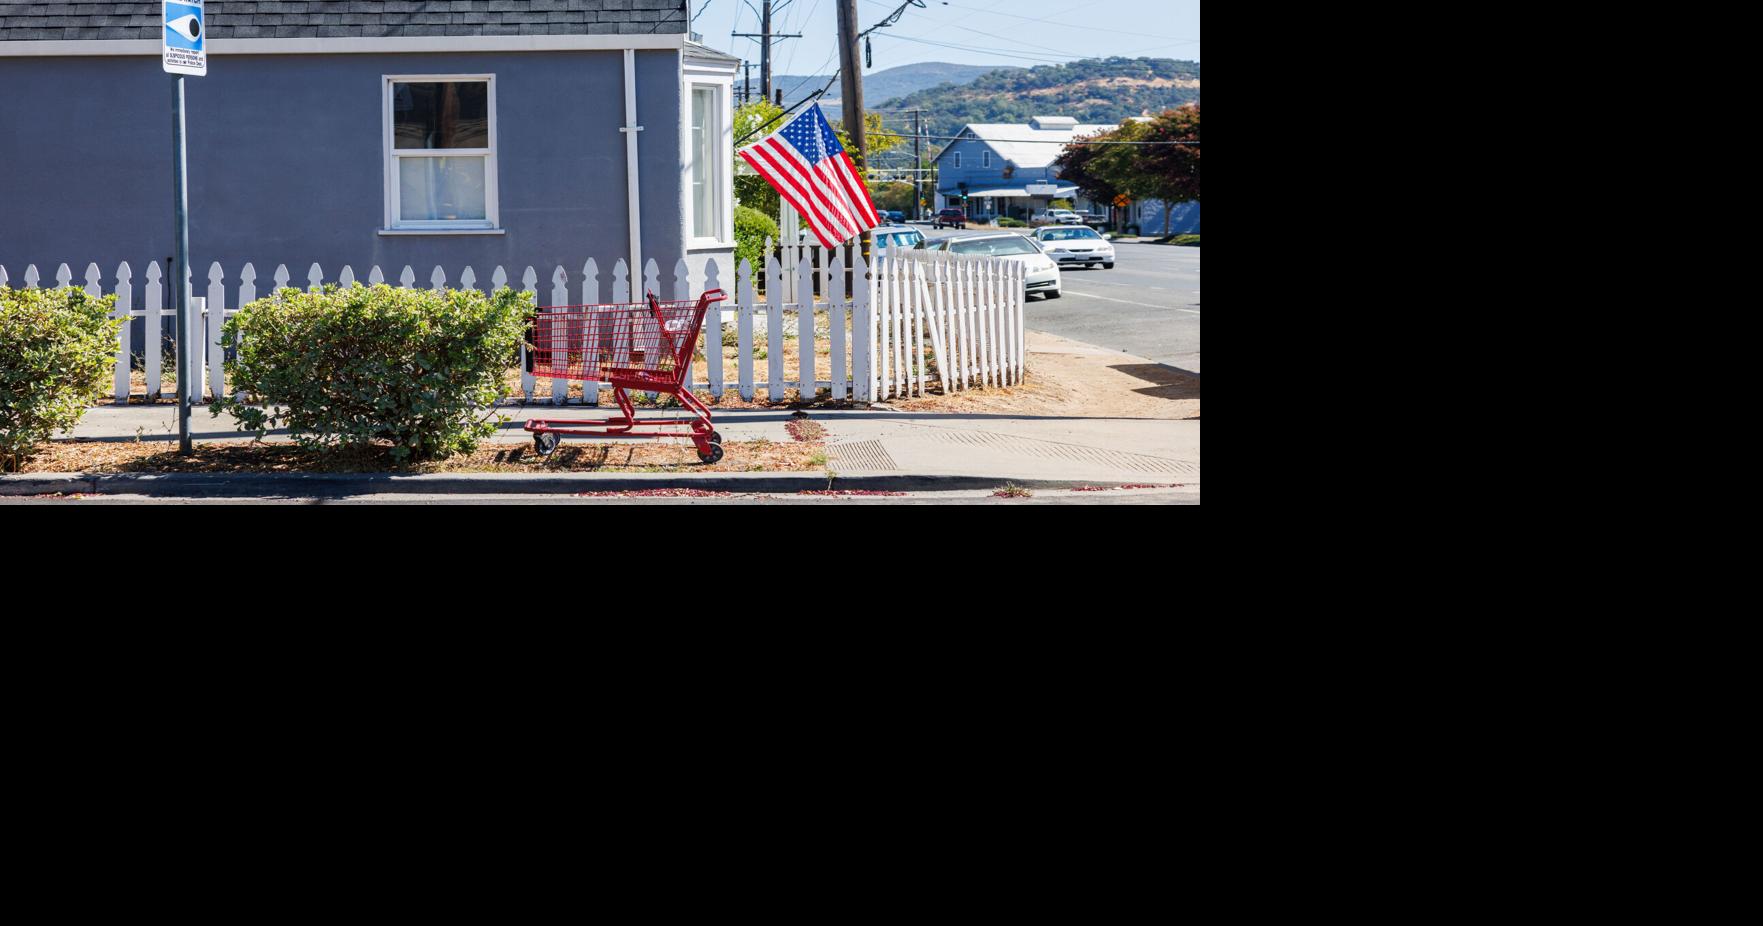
x: 903, y: 239
x: 1060, y: 234
x: 1014, y: 244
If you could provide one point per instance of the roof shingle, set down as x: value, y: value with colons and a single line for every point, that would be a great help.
x: 40, y: 20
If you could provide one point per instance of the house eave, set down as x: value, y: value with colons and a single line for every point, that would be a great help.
x: 89, y: 48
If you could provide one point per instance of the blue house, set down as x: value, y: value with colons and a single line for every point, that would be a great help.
x: 341, y: 132
x: 1004, y: 169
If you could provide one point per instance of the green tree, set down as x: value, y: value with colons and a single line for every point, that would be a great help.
x: 892, y: 194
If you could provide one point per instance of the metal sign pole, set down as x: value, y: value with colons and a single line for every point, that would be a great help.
x: 180, y: 292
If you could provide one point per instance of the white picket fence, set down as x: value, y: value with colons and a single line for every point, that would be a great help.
x: 969, y: 309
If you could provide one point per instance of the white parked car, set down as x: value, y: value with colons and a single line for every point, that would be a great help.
x: 1056, y: 217
x: 1043, y: 274
x: 1076, y: 246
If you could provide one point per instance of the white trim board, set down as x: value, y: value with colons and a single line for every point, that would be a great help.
x: 408, y: 44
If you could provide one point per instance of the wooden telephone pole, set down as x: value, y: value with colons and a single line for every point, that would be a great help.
x: 851, y: 85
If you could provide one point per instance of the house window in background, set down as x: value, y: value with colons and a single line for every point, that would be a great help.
x: 706, y: 142
x: 441, y: 147
x: 957, y: 164
x: 985, y: 159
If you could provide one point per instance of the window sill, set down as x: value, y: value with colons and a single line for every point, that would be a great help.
x: 399, y: 232
x: 708, y: 244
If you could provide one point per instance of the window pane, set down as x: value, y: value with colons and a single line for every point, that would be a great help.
x: 441, y: 115
x: 441, y: 189
x: 705, y: 220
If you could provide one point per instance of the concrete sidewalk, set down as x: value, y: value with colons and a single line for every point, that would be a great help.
x: 859, y: 442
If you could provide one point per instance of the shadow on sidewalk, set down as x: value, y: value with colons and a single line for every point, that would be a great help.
x: 1167, y: 382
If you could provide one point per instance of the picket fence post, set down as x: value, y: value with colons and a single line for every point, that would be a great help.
x: 713, y: 347
x: 744, y: 308
x: 805, y: 370
x: 530, y: 282
x: 125, y: 304
x: 774, y: 328
x: 216, y: 314
x: 154, y: 297
x: 836, y: 296
x: 559, y: 297
x: 591, y: 330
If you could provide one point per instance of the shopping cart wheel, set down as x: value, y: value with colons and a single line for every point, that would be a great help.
x: 545, y: 443
x: 716, y: 437
x: 714, y: 456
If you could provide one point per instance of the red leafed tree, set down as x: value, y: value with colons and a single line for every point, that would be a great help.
x: 1170, y: 172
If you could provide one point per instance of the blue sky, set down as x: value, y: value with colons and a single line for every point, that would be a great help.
x: 1002, y: 32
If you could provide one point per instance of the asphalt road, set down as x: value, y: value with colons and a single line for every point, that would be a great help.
x: 1148, y: 305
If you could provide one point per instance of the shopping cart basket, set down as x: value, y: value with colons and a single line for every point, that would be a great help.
x: 630, y: 346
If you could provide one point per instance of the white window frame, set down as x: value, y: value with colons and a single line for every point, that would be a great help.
x: 957, y: 164
x: 724, y: 155
x: 491, y: 224
x: 985, y: 159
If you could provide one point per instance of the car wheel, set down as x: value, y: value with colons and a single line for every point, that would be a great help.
x: 1108, y: 266
x: 1050, y: 294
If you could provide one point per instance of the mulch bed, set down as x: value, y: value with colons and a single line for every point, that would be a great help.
x: 86, y: 456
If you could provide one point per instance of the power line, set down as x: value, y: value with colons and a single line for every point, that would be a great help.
x: 813, y: 96
x: 1065, y: 25
x: 1039, y: 141
x: 1042, y: 59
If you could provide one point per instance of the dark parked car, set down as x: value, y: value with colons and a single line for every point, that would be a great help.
x: 894, y: 215
x: 950, y: 218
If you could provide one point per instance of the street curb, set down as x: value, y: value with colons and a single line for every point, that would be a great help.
x: 319, y: 485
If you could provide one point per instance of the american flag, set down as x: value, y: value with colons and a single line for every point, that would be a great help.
x: 810, y: 169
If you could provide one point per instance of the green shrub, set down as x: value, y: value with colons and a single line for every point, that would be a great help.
x: 347, y: 367
x: 1008, y: 222
x: 752, y: 227
x: 1193, y: 240
x: 57, y: 348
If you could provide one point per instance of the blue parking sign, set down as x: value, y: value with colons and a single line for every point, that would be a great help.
x: 186, y: 38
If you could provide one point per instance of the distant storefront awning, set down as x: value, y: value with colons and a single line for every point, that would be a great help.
x: 1009, y: 191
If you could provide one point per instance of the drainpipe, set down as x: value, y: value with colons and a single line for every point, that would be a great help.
x: 630, y: 130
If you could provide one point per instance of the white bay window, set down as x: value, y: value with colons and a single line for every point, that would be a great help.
x: 707, y: 152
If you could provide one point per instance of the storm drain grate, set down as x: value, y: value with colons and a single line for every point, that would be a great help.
x: 1052, y: 450
x: 859, y: 455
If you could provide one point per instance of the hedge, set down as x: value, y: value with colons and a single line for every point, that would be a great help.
x: 57, y: 350
x: 345, y: 368
x: 752, y: 227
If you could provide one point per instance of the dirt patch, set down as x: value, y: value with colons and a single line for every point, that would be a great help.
x: 1069, y: 378
x: 658, y: 456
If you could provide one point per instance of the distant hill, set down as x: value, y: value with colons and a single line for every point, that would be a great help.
x: 1094, y: 90
x: 881, y: 87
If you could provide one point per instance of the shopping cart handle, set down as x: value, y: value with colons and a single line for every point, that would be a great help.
x: 714, y: 295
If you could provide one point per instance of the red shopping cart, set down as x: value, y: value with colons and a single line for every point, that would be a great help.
x: 639, y: 346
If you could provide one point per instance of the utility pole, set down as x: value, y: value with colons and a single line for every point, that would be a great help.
x: 765, y: 41
x: 917, y: 164
x: 746, y: 82
x: 765, y: 51
x: 851, y: 83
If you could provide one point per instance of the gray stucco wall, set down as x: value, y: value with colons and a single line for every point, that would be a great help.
x: 286, y: 165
